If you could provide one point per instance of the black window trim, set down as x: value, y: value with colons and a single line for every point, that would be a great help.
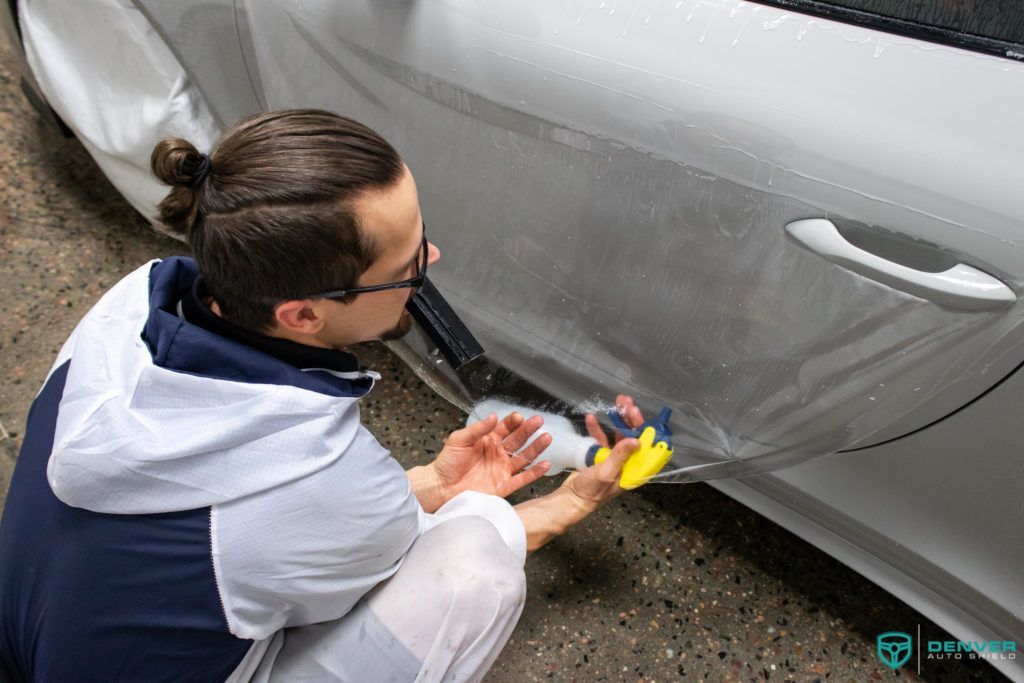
x: 904, y: 27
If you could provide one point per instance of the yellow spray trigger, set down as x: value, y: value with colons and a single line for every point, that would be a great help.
x: 654, y: 453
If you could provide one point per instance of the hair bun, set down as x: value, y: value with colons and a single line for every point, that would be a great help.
x: 178, y: 163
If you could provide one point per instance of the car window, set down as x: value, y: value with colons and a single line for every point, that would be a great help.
x: 990, y: 26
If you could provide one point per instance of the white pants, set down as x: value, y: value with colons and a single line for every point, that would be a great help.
x: 444, y: 616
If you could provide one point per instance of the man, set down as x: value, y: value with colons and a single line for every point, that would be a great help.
x: 196, y: 499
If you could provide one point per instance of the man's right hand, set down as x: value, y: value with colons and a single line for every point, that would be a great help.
x: 579, y: 495
x: 593, y: 487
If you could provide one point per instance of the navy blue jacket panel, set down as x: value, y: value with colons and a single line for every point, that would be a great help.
x: 105, y: 591
x: 86, y: 596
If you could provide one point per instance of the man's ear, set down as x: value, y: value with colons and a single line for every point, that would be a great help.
x: 303, y: 316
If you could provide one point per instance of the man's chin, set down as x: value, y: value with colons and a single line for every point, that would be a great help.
x: 399, y: 330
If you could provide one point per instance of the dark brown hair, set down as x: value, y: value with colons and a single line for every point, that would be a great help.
x: 271, y: 218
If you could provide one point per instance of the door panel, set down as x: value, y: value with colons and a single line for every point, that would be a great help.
x: 935, y: 518
x: 610, y: 183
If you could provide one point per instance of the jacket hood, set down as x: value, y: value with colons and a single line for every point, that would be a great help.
x: 159, y: 415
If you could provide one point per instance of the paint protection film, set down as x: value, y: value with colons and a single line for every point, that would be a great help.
x: 613, y: 217
x: 780, y: 357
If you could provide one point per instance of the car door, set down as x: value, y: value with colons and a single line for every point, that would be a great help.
x: 802, y: 235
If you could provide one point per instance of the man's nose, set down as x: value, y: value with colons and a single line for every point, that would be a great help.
x: 433, y: 254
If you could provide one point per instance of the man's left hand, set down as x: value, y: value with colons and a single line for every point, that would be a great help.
x: 483, y: 457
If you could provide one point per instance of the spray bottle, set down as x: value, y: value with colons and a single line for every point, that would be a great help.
x: 571, y: 450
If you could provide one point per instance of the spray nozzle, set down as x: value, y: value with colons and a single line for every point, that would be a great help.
x: 658, y: 424
x: 655, y: 450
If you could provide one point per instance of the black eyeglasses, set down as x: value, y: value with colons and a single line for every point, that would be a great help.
x: 415, y: 281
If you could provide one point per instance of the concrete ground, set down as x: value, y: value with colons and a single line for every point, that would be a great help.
x: 669, y: 583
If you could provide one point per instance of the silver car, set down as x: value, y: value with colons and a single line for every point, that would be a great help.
x: 798, y: 223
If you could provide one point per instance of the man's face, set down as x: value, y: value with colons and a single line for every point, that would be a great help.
x: 392, y: 218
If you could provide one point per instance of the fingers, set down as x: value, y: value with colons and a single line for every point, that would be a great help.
x: 629, y: 411
x: 594, y: 429
x: 530, y: 453
x: 493, y: 449
x: 631, y: 415
x: 538, y: 446
x: 509, y: 424
x: 528, y: 476
x: 468, y: 436
x: 514, y: 441
x: 612, y: 466
x: 596, y: 485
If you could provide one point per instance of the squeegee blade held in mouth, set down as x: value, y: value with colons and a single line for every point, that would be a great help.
x: 430, y: 310
x: 481, y: 378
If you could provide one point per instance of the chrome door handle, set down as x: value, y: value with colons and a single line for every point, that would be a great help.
x: 961, y: 286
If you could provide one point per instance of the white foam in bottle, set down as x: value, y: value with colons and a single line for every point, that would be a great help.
x: 568, y: 449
